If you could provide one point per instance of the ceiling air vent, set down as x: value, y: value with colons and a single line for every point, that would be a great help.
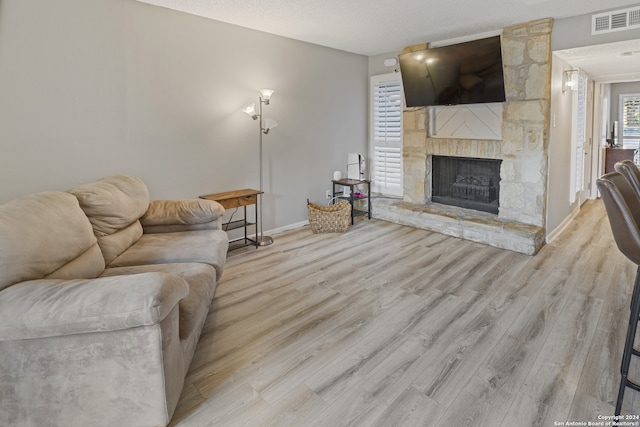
x: 617, y: 20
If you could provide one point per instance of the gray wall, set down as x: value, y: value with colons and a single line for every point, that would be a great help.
x: 558, y: 187
x: 576, y: 32
x: 91, y: 88
x: 377, y: 67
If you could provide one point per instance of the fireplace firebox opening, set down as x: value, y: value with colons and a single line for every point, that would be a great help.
x: 466, y: 182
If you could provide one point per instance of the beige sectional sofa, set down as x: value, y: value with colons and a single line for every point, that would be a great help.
x: 103, y: 295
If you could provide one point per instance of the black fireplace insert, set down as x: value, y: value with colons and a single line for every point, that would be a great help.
x: 466, y: 182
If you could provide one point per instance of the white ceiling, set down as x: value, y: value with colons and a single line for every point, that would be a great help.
x: 607, y: 63
x: 373, y: 27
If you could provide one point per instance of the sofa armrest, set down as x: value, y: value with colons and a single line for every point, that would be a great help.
x: 49, y: 307
x: 182, y: 215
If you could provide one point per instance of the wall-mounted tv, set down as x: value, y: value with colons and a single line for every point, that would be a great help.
x: 463, y: 73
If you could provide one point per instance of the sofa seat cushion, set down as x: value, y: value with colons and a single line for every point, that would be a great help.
x: 42, y: 233
x: 204, y: 246
x: 202, y: 287
x: 48, y: 308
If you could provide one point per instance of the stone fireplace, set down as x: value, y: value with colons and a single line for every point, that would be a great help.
x: 519, y: 220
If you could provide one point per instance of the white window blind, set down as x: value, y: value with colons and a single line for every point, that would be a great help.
x: 386, y: 132
x: 581, y: 131
x: 578, y: 137
x: 388, y: 169
x: 630, y: 107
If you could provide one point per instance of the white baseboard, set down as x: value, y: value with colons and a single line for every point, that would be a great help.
x: 288, y: 227
x: 563, y: 225
x: 282, y: 229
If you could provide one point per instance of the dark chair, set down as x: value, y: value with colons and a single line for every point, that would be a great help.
x: 622, y: 203
x: 631, y: 172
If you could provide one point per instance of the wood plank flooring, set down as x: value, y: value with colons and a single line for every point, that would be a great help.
x: 388, y: 325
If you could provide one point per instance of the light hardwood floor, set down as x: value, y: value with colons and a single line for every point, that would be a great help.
x: 388, y: 325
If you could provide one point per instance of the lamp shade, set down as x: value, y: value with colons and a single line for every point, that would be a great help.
x: 251, y: 111
x: 269, y: 124
x: 570, y: 80
x: 266, y: 94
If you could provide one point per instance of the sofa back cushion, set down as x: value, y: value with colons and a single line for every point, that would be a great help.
x: 46, y: 235
x: 114, y: 206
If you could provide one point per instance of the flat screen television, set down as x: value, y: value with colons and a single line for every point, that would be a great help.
x: 463, y: 73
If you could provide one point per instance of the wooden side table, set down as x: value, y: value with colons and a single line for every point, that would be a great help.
x: 236, y: 199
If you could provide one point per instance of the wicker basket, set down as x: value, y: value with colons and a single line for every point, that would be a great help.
x: 329, y: 219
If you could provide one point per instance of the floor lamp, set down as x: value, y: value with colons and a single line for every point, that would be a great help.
x: 265, y: 126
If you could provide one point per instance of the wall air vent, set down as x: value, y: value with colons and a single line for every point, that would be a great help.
x: 617, y: 20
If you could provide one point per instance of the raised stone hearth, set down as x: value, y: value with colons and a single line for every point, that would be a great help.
x: 467, y: 224
x: 520, y: 222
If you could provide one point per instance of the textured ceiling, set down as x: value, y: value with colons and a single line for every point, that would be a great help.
x: 607, y: 63
x: 372, y: 27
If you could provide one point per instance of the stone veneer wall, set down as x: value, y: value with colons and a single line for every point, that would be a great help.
x: 526, y: 55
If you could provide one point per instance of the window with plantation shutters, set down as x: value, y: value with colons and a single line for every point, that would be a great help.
x: 578, y: 138
x: 386, y: 134
x: 630, y: 109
